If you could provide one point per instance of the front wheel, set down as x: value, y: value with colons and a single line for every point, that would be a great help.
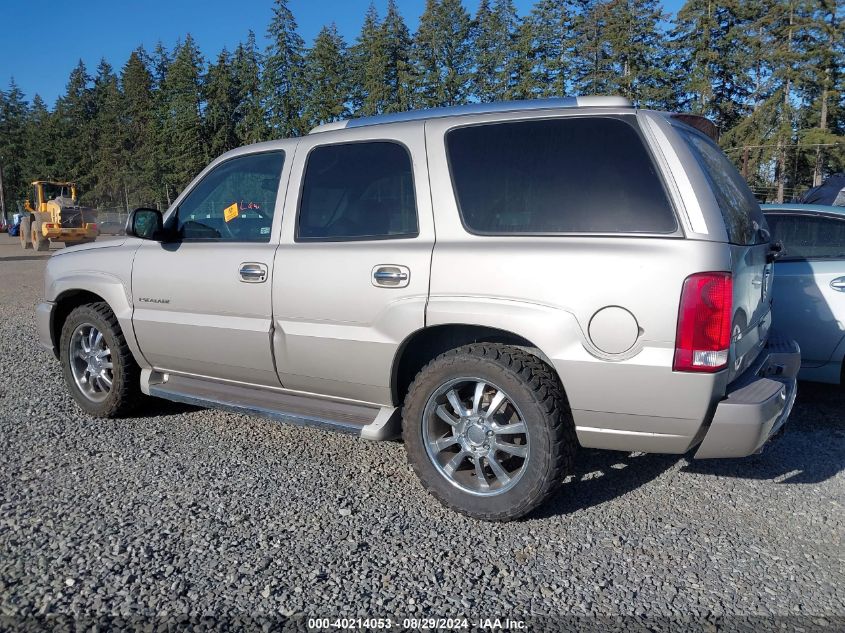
x: 39, y: 242
x: 488, y: 431
x: 97, y: 364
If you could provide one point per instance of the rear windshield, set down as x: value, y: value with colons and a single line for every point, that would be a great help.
x: 744, y: 220
x: 572, y: 175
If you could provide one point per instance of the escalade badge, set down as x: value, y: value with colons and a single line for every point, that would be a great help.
x: 151, y: 300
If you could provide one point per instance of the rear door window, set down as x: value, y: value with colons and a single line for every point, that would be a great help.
x: 743, y: 218
x: 808, y: 236
x: 570, y: 175
x: 358, y: 191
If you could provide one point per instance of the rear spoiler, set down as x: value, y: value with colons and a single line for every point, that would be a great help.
x: 700, y: 123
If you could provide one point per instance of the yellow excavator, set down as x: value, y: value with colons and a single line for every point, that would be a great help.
x: 54, y: 215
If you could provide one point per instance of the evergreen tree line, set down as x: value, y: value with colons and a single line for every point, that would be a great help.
x: 768, y: 72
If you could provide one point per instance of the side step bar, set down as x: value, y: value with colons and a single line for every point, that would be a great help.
x: 367, y: 421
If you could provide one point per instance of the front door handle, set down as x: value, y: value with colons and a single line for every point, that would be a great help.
x: 838, y: 284
x: 390, y: 276
x: 253, y: 272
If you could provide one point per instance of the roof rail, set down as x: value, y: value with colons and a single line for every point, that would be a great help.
x: 476, y: 108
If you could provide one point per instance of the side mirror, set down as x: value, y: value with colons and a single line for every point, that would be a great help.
x: 776, y: 251
x: 145, y: 223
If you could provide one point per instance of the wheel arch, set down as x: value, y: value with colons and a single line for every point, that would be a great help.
x: 66, y: 303
x: 76, y: 290
x: 427, y: 343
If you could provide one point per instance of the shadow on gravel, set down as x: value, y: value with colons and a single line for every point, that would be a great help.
x: 793, y: 458
x: 158, y: 408
x: 604, y: 475
x: 811, y: 449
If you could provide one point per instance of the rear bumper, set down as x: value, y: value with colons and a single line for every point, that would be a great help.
x: 757, y: 404
x: 44, y: 325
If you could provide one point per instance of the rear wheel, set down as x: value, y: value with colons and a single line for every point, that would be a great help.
x: 97, y: 364
x: 488, y: 431
x: 26, y: 232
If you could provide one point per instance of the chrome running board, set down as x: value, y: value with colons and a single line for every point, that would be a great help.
x: 369, y: 421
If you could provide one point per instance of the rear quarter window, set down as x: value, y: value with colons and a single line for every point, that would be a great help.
x: 572, y: 175
x: 743, y: 218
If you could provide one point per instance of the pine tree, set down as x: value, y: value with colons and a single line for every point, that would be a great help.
x: 108, y: 182
x: 494, y: 43
x: 589, y: 50
x: 13, y: 116
x: 138, y: 138
x: 39, y: 154
x: 369, y: 64
x: 399, y: 72
x: 251, y: 126
x: 326, y: 78
x: 283, y: 73
x: 823, y: 57
x: 442, y: 54
x: 549, y: 27
x: 486, y: 40
x: 159, y: 65
x: 183, y: 126
x: 691, y: 39
x: 76, y: 135
x: 784, y: 58
x: 733, y: 60
x: 523, y: 80
x: 636, y: 63
x: 221, y: 98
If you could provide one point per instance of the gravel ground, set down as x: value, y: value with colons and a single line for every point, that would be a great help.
x: 183, y: 512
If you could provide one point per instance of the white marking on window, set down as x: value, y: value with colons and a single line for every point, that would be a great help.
x: 693, y: 208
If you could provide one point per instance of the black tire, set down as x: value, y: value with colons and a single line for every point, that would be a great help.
x: 125, y: 394
x: 26, y: 232
x: 536, y: 393
x: 39, y: 242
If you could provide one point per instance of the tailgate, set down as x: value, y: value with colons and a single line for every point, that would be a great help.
x: 748, y: 235
x: 752, y: 305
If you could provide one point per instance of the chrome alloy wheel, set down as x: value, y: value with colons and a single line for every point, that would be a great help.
x: 475, y: 436
x: 91, y: 362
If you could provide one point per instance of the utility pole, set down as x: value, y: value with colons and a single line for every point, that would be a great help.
x: 745, y: 163
x: 2, y: 194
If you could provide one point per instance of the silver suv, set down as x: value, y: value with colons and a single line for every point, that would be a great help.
x: 499, y: 283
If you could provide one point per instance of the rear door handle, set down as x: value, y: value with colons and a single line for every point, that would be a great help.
x: 253, y: 272
x: 391, y: 276
x: 838, y: 284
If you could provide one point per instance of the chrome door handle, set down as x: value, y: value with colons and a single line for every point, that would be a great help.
x: 383, y: 275
x: 253, y: 272
x: 391, y: 276
x: 838, y: 284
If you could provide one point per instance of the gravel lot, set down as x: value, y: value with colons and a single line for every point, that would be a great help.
x: 185, y: 512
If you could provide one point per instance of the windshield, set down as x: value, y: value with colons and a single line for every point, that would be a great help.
x: 53, y: 191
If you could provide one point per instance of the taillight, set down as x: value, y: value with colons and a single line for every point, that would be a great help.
x: 704, y: 323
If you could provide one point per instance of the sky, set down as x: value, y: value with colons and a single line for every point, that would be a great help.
x: 92, y: 29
